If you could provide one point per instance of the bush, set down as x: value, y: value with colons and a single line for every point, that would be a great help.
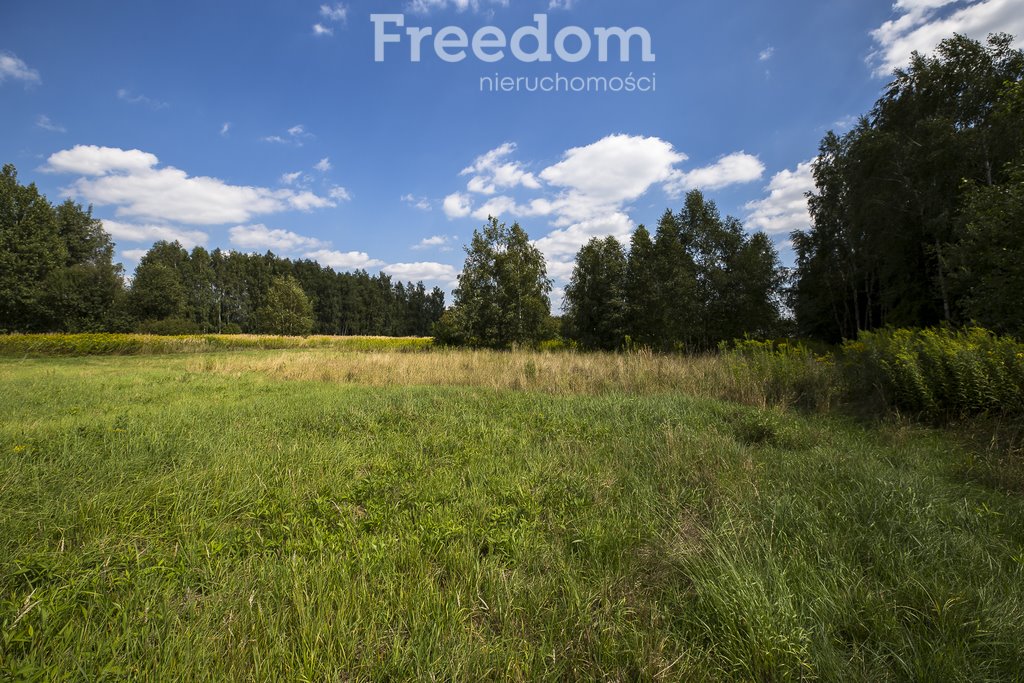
x: 232, y: 328
x: 937, y: 374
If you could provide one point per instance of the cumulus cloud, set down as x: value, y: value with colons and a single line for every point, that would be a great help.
x: 457, y: 205
x: 589, y: 190
x: 321, y: 30
x: 131, y: 181
x: 344, y: 260
x: 424, y: 271
x: 922, y: 24
x: 149, y: 233
x: 12, y: 67
x: 785, y: 208
x: 91, y: 160
x: 290, y: 178
x: 766, y: 54
x: 133, y: 254
x: 324, y: 165
x: 492, y: 171
x: 733, y: 169
x: 261, y: 237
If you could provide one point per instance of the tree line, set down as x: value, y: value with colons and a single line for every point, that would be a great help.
x: 917, y: 220
x: 57, y: 274
x: 918, y: 210
x: 917, y: 216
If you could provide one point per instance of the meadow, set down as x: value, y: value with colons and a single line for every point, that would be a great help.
x: 354, y: 513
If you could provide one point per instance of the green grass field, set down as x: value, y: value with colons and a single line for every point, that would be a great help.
x: 289, y: 515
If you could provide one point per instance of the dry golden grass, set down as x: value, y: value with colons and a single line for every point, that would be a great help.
x: 640, y: 373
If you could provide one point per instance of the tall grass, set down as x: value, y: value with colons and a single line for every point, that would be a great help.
x: 237, y: 517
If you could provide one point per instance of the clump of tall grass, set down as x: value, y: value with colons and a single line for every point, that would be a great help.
x: 103, y: 344
x: 784, y: 373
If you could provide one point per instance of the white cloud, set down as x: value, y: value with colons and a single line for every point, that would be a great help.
x: 131, y: 181
x: 591, y: 187
x: 149, y: 233
x: 732, y: 169
x: 344, y: 260
x: 126, y: 96
x: 785, y: 208
x: 324, y: 165
x: 457, y: 205
x: 561, y: 4
x: 96, y: 161
x: 133, y: 254
x: 12, y: 67
x: 766, y: 54
x: 225, y: 128
x: 296, y: 135
x: 290, y: 178
x: 923, y: 24
x: 490, y: 172
x: 421, y: 203
x: 261, y: 237
x: 337, y: 13
x: 615, y: 169
x: 321, y: 30
x: 43, y: 121
x: 427, y: 6
x: 438, y: 242
x: 424, y: 271
x: 339, y: 193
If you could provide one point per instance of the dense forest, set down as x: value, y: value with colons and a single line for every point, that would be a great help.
x: 917, y: 220
x: 57, y: 275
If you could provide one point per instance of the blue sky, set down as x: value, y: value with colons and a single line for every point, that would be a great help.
x: 268, y: 124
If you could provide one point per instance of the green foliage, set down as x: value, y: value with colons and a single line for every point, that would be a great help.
x: 987, y: 261
x: 502, y: 297
x: 169, y: 327
x: 232, y: 328
x: 287, y: 310
x: 700, y: 281
x: 890, y: 197
x: 595, y: 299
x: 56, y: 271
x: 938, y: 374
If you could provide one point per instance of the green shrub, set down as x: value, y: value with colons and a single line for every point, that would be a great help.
x: 937, y: 374
x: 232, y: 328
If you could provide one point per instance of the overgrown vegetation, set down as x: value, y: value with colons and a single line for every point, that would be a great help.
x: 265, y: 516
x: 40, y: 345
